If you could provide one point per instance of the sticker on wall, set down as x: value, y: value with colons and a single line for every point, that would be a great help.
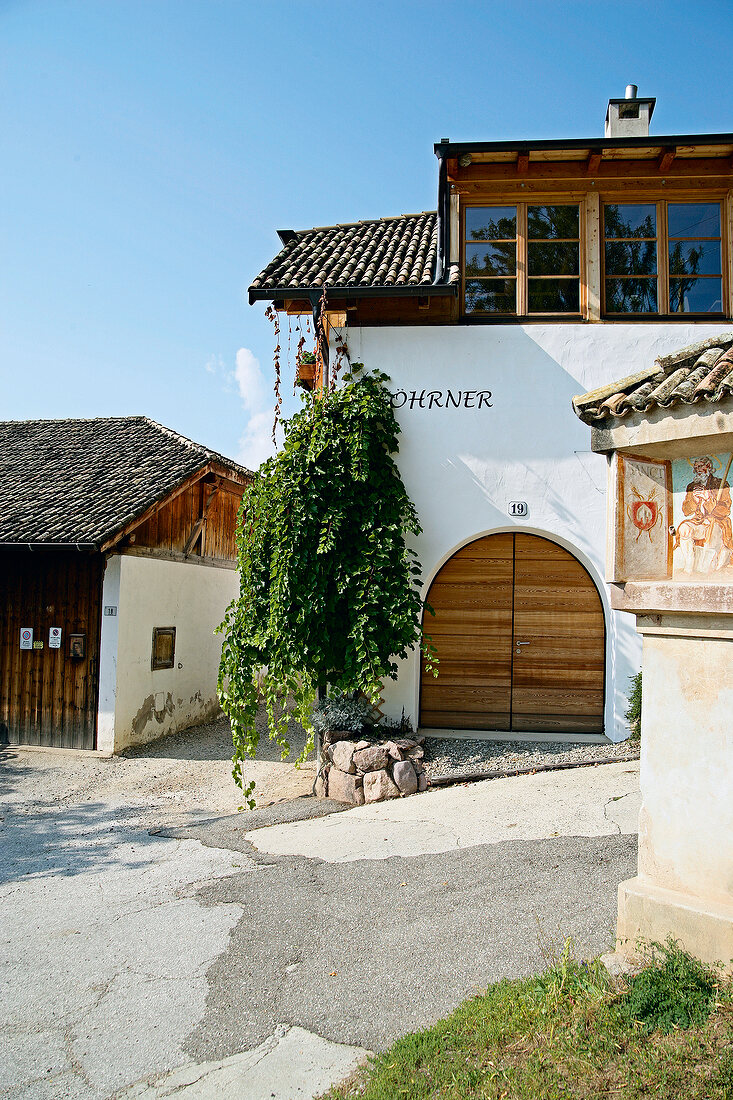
x: 54, y: 637
x: 26, y: 637
x: 38, y: 645
x: 703, y: 545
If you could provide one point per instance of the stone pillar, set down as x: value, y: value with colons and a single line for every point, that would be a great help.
x: 685, y: 882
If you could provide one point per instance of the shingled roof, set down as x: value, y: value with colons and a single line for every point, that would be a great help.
x: 383, y: 255
x: 82, y: 481
x: 701, y: 372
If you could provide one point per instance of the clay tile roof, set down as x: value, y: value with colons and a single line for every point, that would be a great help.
x: 384, y: 253
x: 698, y: 372
x: 82, y: 481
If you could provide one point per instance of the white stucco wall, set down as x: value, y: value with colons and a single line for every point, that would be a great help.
x: 462, y: 466
x: 152, y: 592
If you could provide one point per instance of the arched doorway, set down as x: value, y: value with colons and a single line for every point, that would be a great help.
x: 520, y: 635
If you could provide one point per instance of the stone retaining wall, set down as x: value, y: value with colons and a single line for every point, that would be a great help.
x: 357, y: 770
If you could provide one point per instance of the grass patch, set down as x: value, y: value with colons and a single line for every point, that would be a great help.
x: 570, y: 1032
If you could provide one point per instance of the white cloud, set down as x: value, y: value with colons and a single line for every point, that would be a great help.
x: 258, y: 402
x: 250, y: 381
x: 256, y: 444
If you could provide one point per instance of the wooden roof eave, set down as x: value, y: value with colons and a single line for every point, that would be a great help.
x: 130, y: 525
x: 413, y: 290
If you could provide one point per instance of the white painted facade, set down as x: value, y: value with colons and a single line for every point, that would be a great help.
x: 137, y: 704
x: 462, y: 466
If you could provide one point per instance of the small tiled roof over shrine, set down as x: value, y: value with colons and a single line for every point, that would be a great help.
x: 82, y: 481
x: 383, y: 254
x: 701, y: 372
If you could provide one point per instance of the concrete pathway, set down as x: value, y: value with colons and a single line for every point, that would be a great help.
x: 594, y: 801
x: 215, y: 960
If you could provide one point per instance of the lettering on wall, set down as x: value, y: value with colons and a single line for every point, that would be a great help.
x: 442, y: 399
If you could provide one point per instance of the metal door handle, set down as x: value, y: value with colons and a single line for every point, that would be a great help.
x: 521, y: 643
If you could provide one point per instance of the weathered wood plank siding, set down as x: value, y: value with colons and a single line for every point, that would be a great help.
x: 48, y: 697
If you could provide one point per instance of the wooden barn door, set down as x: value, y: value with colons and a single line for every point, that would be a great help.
x: 47, y: 696
x: 520, y: 635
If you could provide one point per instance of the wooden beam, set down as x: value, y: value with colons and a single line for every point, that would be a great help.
x: 700, y: 169
x: 452, y: 167
x: 522, y: 164
x: 593, y: 256
x: 665, y: 160
x: 592, y: 164
x: 191, y: 541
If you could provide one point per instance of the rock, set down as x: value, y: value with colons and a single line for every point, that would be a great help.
x: 331, y: 736
x: 416, y: 754
x: 404, y: 776
x: 373, y: 759
x: 378, y: 786
x: 405, y: 743
x: 361, y: 745
x: 343, y: 788
x: 422, y: 782
x: 621, y: 966
x: 320, y: 787
x: 342, y: 755
x: 394, y: 752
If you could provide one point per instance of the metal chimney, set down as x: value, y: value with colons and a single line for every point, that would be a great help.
x: 629, y: 117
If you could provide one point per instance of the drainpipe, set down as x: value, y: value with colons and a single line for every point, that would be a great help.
x: 443, y: 223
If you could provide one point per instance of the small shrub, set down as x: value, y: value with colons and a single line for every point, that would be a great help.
x: 675, y: 991
x: 350, y: 712
x: 633, y: 714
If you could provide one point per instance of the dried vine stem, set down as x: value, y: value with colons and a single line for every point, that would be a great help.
x: 271, y: 315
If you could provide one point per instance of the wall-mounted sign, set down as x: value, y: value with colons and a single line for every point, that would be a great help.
x: 26, y: 637
x: 38, y: 645
x: 54, y: 637
x: 442, y: 399
x: 517, y: 508
x: 77, y: 645
x: 110, y: 610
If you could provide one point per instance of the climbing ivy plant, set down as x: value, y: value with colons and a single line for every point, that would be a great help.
x: 330, y: 590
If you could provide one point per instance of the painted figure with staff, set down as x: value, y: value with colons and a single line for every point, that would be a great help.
x: 704, y: 537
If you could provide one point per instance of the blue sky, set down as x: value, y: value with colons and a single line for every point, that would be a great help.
x: 151, y: 149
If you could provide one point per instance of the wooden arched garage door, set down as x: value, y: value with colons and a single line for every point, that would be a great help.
x: 520, y: 636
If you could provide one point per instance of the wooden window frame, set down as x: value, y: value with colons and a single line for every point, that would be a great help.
x: 156, y: 663
x: 522, y: 202
x: 662, y: 239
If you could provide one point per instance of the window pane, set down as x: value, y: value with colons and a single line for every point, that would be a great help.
x: 630, y: 220
x: 491, y: 223
x: 631, y: 258
x: 491, y: 259
x: 694, y: 219
x: 695, y: 296
x: 547, y: 222
x: 694, y: 258
x: 631, y: 295
x: 491, y: 296
x: 553, y: 259
x: 554, y: 296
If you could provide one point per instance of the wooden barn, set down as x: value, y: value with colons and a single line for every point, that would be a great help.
x: 117, y: 562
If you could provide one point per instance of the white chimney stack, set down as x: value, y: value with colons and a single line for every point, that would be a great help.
x: 629, y: 117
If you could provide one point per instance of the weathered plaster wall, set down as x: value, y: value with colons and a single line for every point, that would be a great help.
x: 687, y: 743
x: 463, y: 465
x: 151, y: 593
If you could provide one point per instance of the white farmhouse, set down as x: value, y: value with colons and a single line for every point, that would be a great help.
x: 548, y: 267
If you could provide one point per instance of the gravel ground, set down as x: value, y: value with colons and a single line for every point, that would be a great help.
x: 178, y: 778
x: 445, y: 756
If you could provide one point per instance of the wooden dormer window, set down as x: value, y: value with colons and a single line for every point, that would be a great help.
x: 522, y: 260
x: 663, y: 258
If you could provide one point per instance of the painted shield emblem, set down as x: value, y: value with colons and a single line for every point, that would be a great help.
x: 644, y: 514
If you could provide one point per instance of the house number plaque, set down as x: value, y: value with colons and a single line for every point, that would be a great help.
x: 517, y: 508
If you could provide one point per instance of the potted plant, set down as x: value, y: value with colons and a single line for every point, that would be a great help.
x: 307, y: 370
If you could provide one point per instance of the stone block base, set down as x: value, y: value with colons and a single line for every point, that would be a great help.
x: 650, y: 913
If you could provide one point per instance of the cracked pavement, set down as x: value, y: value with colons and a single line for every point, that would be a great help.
x: 257, y: 955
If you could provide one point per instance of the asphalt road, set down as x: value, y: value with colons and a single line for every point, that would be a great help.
x: 127, y: 956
